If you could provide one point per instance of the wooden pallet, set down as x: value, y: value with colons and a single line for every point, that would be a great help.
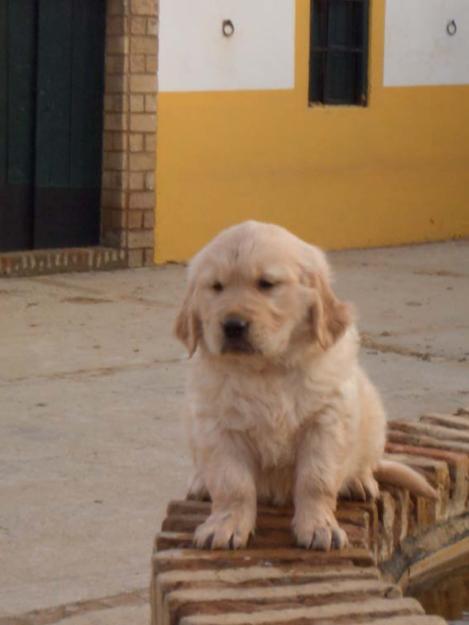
x: 275, y: 582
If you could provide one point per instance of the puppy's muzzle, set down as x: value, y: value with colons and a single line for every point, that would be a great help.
x: 235, y: 335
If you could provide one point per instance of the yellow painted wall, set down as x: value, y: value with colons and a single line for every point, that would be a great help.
x: 394, y: 172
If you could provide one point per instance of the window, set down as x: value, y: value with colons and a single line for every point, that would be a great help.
x: 338, y: 61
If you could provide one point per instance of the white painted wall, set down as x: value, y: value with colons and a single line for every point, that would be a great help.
x: 195, y: 56
x: 418, y: 50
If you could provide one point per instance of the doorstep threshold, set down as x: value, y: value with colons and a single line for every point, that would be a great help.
x: 61, y: 260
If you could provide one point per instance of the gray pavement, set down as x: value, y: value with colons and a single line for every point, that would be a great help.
x: 91, y: 389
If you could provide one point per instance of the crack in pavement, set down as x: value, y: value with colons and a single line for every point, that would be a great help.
x: 48, y: 616
x: 101, y: 371
x: 369, y: 343
x: 111, y: 297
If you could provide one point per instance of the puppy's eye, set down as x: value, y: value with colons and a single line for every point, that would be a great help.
x: 265, y: 285
x: 217, y: 286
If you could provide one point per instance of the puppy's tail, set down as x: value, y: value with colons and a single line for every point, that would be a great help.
x: 398, y: 474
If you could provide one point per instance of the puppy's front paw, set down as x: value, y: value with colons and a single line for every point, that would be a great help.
x: 320, y: 533
x: 224, y: 530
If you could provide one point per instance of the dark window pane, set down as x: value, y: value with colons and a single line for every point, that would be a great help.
x: 358, y: 33
x: 339, y: 23
x: 317, y: 80
x: 341, y: 78
x: 339, y: 51
x: 319, y: 23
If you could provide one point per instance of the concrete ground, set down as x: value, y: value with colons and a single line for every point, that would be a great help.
x: 91, y: 441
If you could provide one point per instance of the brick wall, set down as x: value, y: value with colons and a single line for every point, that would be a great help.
x: 128, y: 177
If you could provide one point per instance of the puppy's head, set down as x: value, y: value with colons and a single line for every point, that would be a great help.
x: 257, y: 290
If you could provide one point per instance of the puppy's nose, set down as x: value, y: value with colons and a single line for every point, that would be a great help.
x: 234, y: 327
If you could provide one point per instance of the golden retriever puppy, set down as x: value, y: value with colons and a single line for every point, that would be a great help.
x: 280, y: 409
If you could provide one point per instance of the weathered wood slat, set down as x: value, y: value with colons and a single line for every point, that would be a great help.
x: 449, y: 421
x: 406, y: 437
x: 262, y: 575
x: 256, y: 577
x: 182, y: 603
x: 177, y: 533
x: 401, y: 508
x: 416, y: 619
x: 436, y: 432
x: 188, y: 522
x: 329, y: 613
x: 173, y: 559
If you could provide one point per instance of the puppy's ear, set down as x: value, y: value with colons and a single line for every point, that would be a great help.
x: 187, y: 327
x: 330, y: 317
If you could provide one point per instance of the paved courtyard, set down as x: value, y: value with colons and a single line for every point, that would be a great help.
x: 91, y: 437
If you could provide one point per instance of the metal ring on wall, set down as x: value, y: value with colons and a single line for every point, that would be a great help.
x: 227, y: 28
x: 451, y: 28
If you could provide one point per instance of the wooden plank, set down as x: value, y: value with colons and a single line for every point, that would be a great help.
x: 178, y: 536
x: 66, y: 217
x: 17, y: 63
x: 86, y: 115
x: 354, y: 612
x: 3, y: 93
x: 355, y: 513
x: 435, y: 431
x: 273, y: 525
x: 54, y: 92
x: 288, y: 573
x: 416, y: 619
x: 182, y: 603
x: 69, y: 123
x: 254, y: 576
x: 417, y: 438
x: 401, y: 506
x: 450, y: 421
x: 387, y: 520
x: 188, y: 522
x: 197, y: 559
x: 21, y: 90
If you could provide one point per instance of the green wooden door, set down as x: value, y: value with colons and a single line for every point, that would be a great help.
x: 51, y: 84
x: 17, y: 75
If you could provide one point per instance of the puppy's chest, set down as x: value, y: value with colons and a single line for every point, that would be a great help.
x: 269, y: 420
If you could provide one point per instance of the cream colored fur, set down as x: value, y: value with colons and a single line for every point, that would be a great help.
x: 295, y: 417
